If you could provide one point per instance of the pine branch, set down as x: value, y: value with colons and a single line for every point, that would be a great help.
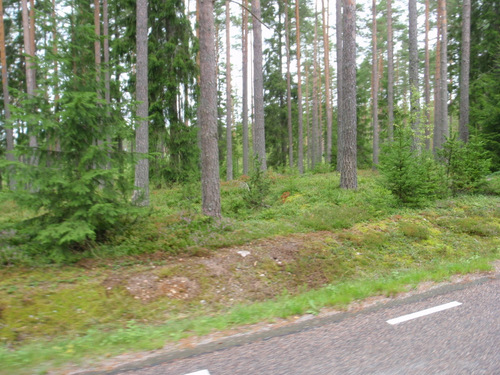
x: 249, y: 11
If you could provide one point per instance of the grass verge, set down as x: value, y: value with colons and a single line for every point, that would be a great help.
x: 38, y: 357
x: 311, y: 246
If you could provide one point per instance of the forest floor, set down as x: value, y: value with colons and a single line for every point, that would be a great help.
x: 68, y: 317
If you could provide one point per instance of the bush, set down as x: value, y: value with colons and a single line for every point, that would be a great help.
x: 467, y: 164
x: 258, y: 187
x: 78, y: 191
x: 411, y: 175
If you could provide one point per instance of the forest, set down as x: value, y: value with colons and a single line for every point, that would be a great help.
x: 296, y: 144
x: 93, y: 91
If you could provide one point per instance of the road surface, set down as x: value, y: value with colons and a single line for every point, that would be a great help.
x: 451, y: 330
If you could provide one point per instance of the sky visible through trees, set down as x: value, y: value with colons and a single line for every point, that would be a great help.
x: 68, y: 49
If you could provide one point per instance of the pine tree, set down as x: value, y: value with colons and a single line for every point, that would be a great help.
x: 259, y: 140
x: 300, y: 156
x: 210, y: 182
x: 315, y: 131
x: 348, y: 151
x: 326, y: 43
x: 442, y: 90
x: 29, y: 44
x: 465, y: 72
x: 9, y: 132
x: 141, y: 193
x: 288, y: 87
x: 390, y: 72
x: 229, y: 133
x: 414, y: 88
x: 245, y: 87
x: 427, y: 95
x: 375, y: 81
x: 340, y: 33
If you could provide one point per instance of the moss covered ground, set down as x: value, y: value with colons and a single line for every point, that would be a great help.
x: 176, y: 274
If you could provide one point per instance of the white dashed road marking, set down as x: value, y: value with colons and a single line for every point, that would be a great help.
x: 418, y: 314
x: 202, y: 372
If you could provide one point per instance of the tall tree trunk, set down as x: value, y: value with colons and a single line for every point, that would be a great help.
x: 315, y: 143
x: 463, y: 128
x: 107, y: 83
x: 105, y: 33
x: 210, y: 181
x: 414, y: 89
x: 229, y: 133
x: 57, y: 145
x: 198, y: 63
x: 9, y: 132
x: 427, y: 90
x: 390, y: 72
x: 97, y: 45
x: 326, y: 47
x: 28, y: 33
x: 375, y: 80
x: 245, y: 86
x: 300, y: 156
x: 442, y: 122
x: 307, y: 122
x: 437, y: 136
x: 98, y: 61
x: 141, y: 193
x: 340, y: 33
x: 288, y: 87
x: 348, y: 170
x: 444, y: 71
x: 259, y: 141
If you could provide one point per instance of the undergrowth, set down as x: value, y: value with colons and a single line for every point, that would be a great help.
x: 365, y: 245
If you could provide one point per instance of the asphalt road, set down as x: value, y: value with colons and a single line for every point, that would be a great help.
x: 462, y: 339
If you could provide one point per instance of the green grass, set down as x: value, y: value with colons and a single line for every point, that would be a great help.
x: 96, y: 342
x: 353, y: 245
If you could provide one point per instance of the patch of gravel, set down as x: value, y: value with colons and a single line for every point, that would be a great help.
x: 148, y: 287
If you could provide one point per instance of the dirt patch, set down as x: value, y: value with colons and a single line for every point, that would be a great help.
x: 251, y: 272
x: 149, y: 287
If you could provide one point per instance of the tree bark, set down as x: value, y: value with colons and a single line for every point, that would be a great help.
x: 307, y: 122
x: 442, y: 122
x: 326, y: 47
x: 315, y: 142
x: 444, y: 72
x: 97, y: 45
x: 30, y: 65
x: 427, y: 90
x: 105, y: 32
x: 9, y: 132
x: 288, y: 87
x: 300, y: 156
x: 339, y: 79
x: 375, y: 81
x: 229, y: 133
x: 463, y: 129
x: 141, y: 193
x: 414, y: 88
x: 348, y: 170
x: 259, y: 140
x: 390, y: 73
x: 210, y: 180
x: 245, y: 86
x: 437, y: 136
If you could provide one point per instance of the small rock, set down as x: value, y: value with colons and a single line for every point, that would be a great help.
x: 244, y: 253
